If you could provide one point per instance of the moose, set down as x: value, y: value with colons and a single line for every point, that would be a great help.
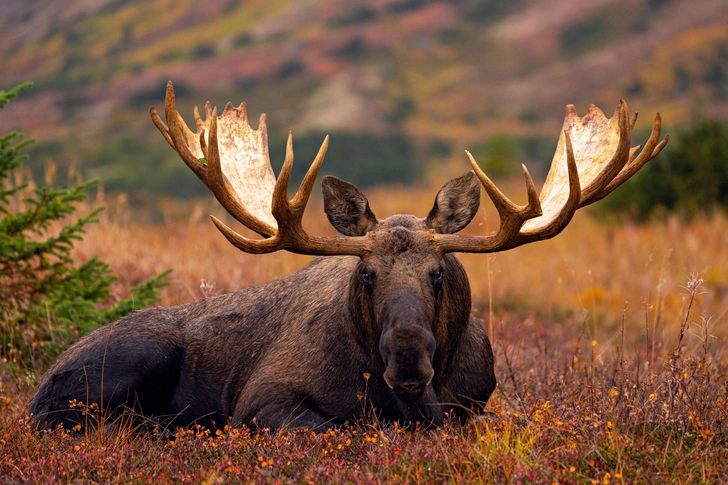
x: 382, y: 316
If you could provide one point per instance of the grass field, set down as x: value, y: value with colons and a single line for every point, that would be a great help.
x: 610, y: 347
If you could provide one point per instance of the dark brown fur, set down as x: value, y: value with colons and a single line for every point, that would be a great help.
x: 295, y: 352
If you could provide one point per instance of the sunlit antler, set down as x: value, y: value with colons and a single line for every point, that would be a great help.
x: 239, y: 174
x: 236, y: 168
x: 593, y: 158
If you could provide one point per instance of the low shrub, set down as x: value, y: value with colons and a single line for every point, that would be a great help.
x: 48, y: 300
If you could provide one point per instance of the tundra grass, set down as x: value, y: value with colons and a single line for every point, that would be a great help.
x: 610, y: 352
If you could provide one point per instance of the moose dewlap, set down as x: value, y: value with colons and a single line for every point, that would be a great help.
x: 387, y: 300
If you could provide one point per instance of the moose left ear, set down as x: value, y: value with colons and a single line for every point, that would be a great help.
x: 456, y: 204
x: 346, y: 207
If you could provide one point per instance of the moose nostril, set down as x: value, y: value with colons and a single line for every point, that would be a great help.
x: 412, y: 386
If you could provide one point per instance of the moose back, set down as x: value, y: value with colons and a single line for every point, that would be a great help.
x: 381, y: 320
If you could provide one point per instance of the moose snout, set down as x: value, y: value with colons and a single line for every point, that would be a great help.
x: 407, y: 355
x: 410, y: 389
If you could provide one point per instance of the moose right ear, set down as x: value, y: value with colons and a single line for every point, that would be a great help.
x: 456, y: 204
x: 347, y: 207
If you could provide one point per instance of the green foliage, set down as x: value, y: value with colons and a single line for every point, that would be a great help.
x: 487, y: 12
x: 363, y: 159
x: 47, y: 300
x: 352, y: 16
x: 585, y: 36
x: 403, y: 109
x: 437, y: 147
x: 356, y: 48
x: 690, y: 176
x: 403, y: 6
x: 289, y: 68
x: 498, y: 156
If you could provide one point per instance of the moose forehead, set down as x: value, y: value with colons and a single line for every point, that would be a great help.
x: 401, y: 234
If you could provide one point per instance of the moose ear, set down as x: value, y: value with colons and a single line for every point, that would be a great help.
x: 347, y: 207
x: 456, y: 204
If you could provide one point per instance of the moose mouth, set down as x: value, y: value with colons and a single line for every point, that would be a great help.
x: 417, y: 402
x: 410, y: 391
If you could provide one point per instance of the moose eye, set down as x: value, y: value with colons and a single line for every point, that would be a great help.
x: 438, y: 276
x: 366, y: 276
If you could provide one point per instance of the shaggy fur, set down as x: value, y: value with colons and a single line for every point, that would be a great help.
x: 295, y: 352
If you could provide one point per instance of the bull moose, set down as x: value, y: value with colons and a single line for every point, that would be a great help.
x: 384, y: 312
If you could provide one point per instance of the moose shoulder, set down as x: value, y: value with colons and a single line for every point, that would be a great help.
x: 382, y: 319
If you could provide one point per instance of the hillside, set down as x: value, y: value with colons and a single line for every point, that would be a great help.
x: 421, y: 80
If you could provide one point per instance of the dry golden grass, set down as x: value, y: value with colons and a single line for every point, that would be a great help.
x: 590, y: 272
x: 610, y: 355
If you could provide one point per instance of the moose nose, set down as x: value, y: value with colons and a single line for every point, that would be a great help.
x: 412, y: 386
x: 410, y: 390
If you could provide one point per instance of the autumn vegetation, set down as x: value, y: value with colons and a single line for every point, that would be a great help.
x: 610, y: 348
x: 610, y: 353
x: 610, y: 340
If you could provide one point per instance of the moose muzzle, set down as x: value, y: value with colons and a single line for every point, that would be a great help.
x: 408, y: 351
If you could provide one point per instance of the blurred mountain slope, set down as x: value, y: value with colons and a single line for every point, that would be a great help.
x: 443, y: 75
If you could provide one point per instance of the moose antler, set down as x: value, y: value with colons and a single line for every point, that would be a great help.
x: 593, y: 152
x: 242, y: 180
x: 238, y: 172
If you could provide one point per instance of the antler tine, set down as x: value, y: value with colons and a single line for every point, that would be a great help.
x: 512, y: 217
x: 651, y: 149
x: 507, y: 210
x: 618, y: 161
x: 203, y: 143
x: 198, y: 121
x: 659, y: 147
x: 503, y: 204
x: 533, y: 200
x: 568, y: 210
x: 633, y: 121
x: 179, y: 143
x: 289, y: 214
x: 280, y: 192
x: 160, y: 125
x: 283, y: 209
x: 632, y: 152
x: 252, y: 246
x: 304, y: 191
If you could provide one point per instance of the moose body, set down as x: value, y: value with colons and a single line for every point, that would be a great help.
x: 293, y: 352
x: 381, y: 322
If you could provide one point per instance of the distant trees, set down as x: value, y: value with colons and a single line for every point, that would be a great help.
x: 689, y: 177
x: 364, y: 159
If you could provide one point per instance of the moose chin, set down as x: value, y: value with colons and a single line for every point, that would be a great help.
x: 380, y: 320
